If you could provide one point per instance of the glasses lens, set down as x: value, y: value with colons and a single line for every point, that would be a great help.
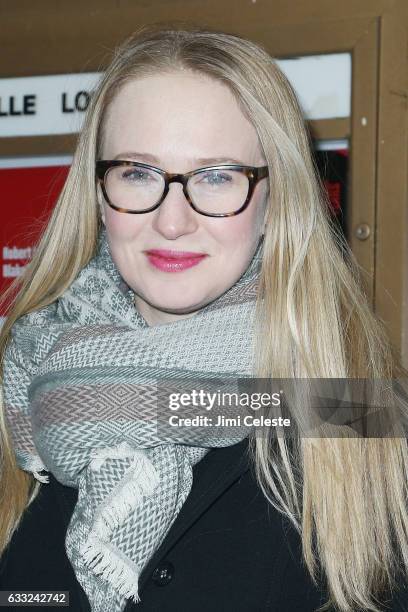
x: 134, y: 187
x: 219, y: 190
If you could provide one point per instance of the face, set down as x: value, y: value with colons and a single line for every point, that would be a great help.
x: 180, y: 122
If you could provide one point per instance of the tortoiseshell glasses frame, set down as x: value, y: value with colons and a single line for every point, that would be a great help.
x: 253, y: 173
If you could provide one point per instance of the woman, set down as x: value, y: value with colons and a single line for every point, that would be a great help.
x: 192, y: 239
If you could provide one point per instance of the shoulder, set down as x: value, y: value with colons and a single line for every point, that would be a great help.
x: 35, y: 558
x: 32, y: 336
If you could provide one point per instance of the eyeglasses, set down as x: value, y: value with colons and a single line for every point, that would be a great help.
x: 213, y: 191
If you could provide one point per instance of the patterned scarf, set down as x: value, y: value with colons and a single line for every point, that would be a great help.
x: 80, y: 386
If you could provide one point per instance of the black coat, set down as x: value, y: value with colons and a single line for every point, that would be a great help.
x: 229, y: 550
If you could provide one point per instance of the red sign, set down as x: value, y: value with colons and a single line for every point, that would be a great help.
x: 27, y: 197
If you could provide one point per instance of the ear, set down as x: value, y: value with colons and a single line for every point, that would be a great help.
x: 263, y: 225
x: 265, y: 216
x: 101, y: 203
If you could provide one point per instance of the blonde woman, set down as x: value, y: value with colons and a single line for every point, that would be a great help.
x: 192, y: 239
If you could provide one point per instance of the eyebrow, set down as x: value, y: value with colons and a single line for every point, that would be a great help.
x: 197, y: 160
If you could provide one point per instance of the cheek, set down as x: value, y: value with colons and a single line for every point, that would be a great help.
x: 123, y: 226
x: 243, y: 229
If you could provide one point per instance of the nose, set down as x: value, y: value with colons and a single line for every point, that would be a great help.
x: 175, y: 217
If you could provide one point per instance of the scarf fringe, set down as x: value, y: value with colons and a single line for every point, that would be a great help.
x: 34, y: 464
x: 42, y: 477
x: 140, y: 479
x: 106, y: 563
x: 120, y: 451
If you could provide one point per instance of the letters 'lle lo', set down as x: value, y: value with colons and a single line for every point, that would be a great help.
x: 12, y: 107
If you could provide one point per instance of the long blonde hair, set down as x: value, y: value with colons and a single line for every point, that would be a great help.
x: 347, y: 497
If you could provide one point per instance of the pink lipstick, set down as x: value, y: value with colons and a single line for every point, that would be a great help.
x: 173, y: 261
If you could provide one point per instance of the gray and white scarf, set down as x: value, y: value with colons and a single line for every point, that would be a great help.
x: 80, y: 386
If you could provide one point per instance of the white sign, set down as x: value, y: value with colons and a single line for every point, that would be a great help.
x: 322, y: 84
x: 34, y: 106
x: 45, y: 105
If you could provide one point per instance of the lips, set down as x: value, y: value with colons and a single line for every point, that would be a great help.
x: 173, y: 261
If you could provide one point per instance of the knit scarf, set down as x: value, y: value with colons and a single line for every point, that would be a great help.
x: 80, y: 383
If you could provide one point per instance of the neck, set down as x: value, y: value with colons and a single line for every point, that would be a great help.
x: 153, y: 316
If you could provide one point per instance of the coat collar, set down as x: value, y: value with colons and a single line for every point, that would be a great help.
x: 218, y: 470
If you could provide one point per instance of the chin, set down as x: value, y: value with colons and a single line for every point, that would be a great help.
x: 178, y: 308
x: 178, y: 304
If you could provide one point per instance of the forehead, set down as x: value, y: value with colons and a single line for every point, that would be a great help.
x: 176, y: 110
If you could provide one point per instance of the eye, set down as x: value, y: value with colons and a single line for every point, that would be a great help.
x: 216, y: 177
x: 138, y: 175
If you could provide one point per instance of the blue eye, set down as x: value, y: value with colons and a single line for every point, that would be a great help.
x: 137, y: 175
x: 217, y: 178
